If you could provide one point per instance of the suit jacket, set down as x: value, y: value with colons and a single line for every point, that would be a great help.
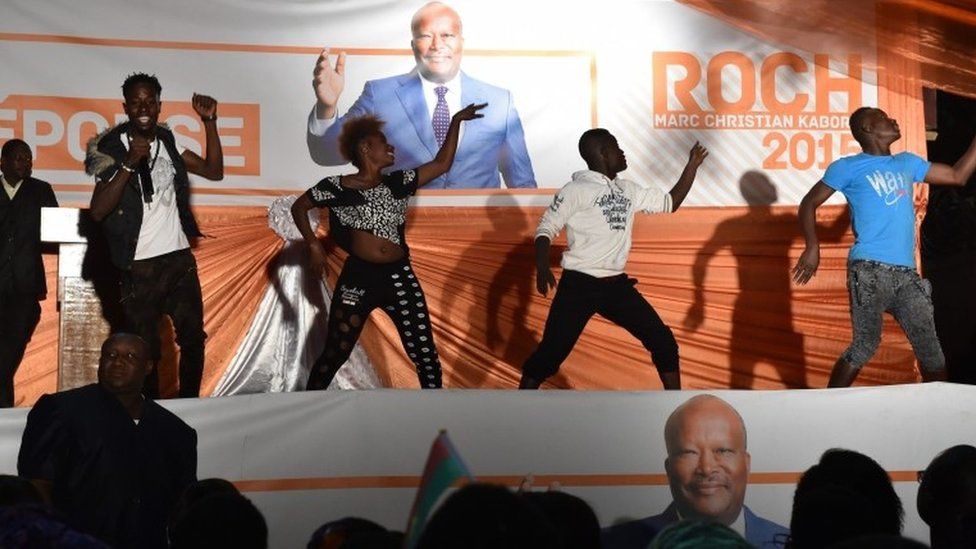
x: 112, y: 478
x: 638, y: 534
x: 488, y: 145
x: 21, y: 267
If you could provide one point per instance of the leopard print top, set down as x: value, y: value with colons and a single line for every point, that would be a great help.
x: 380, y: 210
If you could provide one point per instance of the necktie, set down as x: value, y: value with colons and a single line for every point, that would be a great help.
x: 442, y: 117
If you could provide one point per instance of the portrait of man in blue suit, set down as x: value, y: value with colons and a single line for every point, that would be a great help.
x: 417, y: 105
x: 708, y: 470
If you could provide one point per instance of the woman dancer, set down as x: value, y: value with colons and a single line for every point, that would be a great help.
x: 367, y: 212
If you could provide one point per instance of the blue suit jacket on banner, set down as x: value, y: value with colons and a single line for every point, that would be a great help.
x: 489, y: 145
x: 638, y: 534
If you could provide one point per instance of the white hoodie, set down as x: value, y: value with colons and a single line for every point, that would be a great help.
x: 599, y: 215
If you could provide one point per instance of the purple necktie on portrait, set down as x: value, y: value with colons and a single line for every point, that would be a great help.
x: 442, y: 116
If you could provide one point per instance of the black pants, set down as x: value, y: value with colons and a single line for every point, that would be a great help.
x: 362, y: 287
x: 167, y: 285
x: 578, y: 297
x: 19, y: 315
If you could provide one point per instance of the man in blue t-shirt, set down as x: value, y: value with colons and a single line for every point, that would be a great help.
x: 881, y: 273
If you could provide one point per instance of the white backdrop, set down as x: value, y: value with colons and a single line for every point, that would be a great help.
x: 569, y: 67
x: 338, y: 453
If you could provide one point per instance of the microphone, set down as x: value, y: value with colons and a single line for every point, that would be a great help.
x: 145, y: 180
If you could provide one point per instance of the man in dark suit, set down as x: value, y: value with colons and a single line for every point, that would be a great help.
x: 418, y: 105
x: 113, y: 461
x: 22, y: 282
x: 708, y: 470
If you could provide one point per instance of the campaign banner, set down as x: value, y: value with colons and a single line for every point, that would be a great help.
x: 307, y: 458
x: 658, y: 75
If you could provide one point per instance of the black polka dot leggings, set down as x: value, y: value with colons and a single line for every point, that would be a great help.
x: 362, y: 287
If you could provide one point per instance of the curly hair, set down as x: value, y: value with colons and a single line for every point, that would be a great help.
x: 137, y: 78
x: 354, y: 131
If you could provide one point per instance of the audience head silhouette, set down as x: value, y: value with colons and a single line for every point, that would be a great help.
x: 844, y: 496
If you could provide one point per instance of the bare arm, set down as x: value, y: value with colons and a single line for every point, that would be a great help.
x: 445, y: 156
x: 211, y: 167
x: 809, y: 260
x: 299, y: 212
x: 544, y: 278
x: 681, y: 188
x: 957, y: 174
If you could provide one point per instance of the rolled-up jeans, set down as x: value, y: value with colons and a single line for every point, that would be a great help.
x: 876, y: 288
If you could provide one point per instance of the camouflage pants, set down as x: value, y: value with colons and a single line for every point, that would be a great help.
x: 167, y: 285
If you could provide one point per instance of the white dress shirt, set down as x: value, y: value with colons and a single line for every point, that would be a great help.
x: 11, y: 189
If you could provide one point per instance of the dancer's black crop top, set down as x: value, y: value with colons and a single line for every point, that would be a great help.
x: 380, y: 210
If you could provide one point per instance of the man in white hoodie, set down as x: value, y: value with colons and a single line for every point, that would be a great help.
x: 597, y: 208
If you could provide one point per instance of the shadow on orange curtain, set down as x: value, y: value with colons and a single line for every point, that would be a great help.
x: 718, y: 276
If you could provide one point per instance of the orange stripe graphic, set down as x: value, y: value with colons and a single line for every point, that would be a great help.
x: 258, y: 48
x: 232, y: 191
x: 222, y: 191
x: 481, y: 192
x: 594, y: 118
x: 413, y: 481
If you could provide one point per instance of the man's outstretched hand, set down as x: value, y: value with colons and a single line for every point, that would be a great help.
x: 806, y: 266
x: 328, y: 82
x: 544, y: 280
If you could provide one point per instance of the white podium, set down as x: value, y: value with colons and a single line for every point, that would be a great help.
x: 82, y: 324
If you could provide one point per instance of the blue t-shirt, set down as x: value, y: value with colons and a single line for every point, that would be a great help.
x: 879, y: 192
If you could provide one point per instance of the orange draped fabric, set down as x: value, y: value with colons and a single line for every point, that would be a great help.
x: 739, y: 322
x: 718, y: 276
x: 233, y: 266
x: 939, y: 36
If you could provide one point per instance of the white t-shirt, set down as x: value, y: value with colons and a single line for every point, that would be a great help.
x: 161, y: 231
x: 599, y: 216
